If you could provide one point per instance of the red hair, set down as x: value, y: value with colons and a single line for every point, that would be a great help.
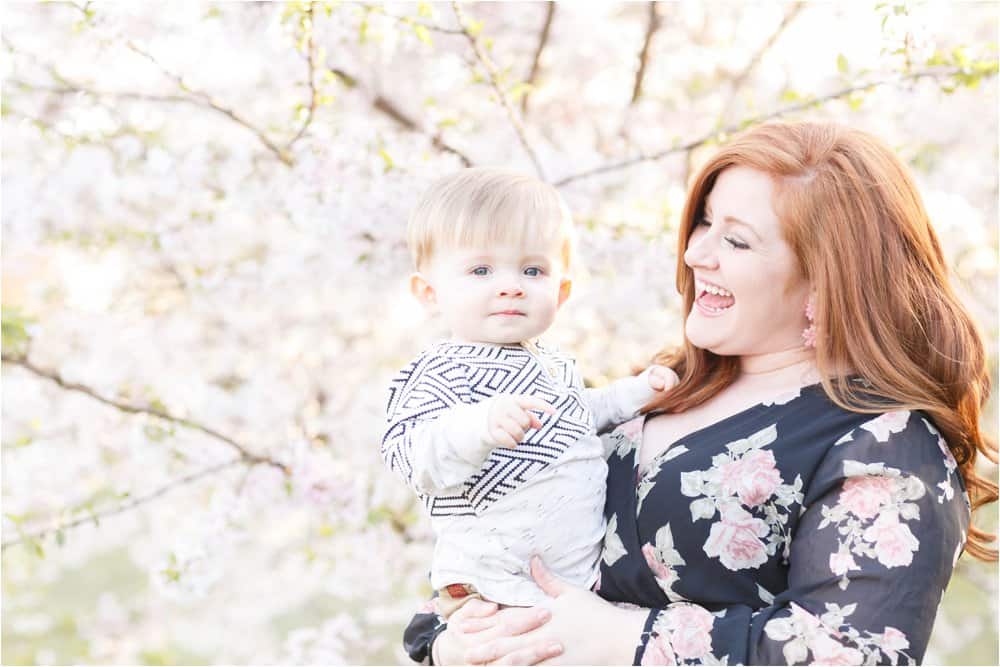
x: 884, y: 307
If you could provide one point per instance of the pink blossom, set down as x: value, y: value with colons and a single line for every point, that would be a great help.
x: 690, y: 631
x: 754, y: 477
x: 894, y: 543
x: 597, y: 584
x: 658, y: 652
x: 886, y: 424
x: 734, y: 539
x: 633, y: 429
x: 864, y: 497
x: 841, y: 563
x: 828, y: 651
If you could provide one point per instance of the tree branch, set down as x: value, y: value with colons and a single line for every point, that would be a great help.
x: 131, y: 503
x: 245, y: 455
x: 313, y: 94
x: 387, y: 107
x: 493, y: 76
x: 375, y: 9
x: 543, y: 39
x: 934, y: 73
x: 207, y: 100
x: 652, y: 26
x: 737, y: 82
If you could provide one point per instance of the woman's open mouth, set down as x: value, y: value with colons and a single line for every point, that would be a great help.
x: 712, y: 299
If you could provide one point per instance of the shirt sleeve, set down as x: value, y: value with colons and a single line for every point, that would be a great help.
x: 419, y: 635
x: 882, y: 525
x: 435, y: 436
x: 618, y: 402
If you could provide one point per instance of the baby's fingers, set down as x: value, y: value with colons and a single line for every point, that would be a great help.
x: 532, y: 403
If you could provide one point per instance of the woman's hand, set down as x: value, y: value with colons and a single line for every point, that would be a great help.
x: 589, y: 630
x: 478, y: 624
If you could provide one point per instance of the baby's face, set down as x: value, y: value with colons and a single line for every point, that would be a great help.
x: 503, y: 294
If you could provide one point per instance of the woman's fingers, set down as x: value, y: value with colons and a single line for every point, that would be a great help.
x: 511, y: 623
x: 547, y: 581
x: 475, y: 608
x: 501, y: 651
x: 532, y: 655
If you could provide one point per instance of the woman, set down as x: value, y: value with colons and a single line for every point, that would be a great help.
x: 804, y: 493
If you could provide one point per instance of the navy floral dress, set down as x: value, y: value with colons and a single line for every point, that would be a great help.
x: 793, y: 532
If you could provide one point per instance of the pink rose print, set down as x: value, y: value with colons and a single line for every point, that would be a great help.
x: 690, y: 631
x: 828, y: 651
x: 734, y: 540
x: 660, y: 570
x: 894, y: 543
x: 632, y: 429
x: 865, y: 496
x: 754, y: 477
x: 949, y: 459
x: 805, y: 620
x: 658, y: 652
x: 885, y: 425
x: 893, y: 640
x: 841, y: 563
x: 597, y: 584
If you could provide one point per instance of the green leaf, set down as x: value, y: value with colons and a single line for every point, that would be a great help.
x: 790, y: 96
x: 475, y: 27
x: 519, y: 90
x: 842, y: 63
x: 854, y: 100
x: 387, y: 159
x: 423, y: 34
x: 424, y: 9
x: 14, y: 326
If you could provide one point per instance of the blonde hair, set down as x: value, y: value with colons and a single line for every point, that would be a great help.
x: 483, y: 206
x: 884, y: 306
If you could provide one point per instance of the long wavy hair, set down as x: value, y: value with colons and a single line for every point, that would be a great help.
x: 883, y: 303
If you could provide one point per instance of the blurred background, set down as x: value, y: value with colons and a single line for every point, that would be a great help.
x: 204, y: 271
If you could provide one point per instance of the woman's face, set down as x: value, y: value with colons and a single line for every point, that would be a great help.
x: 750, y: 296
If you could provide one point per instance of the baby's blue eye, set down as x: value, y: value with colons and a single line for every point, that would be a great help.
x: 533, y: 271
x: 480, y: 271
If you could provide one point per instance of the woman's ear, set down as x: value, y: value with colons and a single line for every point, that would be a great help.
x: 565, y: 287
x: 422, y: 290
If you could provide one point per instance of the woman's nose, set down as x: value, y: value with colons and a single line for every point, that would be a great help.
x: 699, y: 253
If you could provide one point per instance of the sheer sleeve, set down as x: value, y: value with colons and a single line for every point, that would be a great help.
x: 882, y: 524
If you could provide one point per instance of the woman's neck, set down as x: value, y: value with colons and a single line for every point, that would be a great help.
x: 778, y: 365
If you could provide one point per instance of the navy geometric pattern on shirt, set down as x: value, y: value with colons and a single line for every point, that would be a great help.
x: 450, y: 374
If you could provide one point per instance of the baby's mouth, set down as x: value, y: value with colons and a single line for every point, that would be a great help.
x: 713, y: 298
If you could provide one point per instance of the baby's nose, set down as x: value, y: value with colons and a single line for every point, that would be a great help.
x: 511, y: 290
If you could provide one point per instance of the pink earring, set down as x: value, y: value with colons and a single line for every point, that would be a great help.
x: 809, y: 333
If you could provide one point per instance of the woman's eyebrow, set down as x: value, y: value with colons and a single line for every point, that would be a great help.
x: 733, y: 220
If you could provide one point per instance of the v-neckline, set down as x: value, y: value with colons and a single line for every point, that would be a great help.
x: 766, y: 403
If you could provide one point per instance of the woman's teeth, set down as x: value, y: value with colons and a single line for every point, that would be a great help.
x: 711, y: 289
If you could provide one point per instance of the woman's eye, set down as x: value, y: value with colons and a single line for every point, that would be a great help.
x: 533, y: 271
x: 480, y: 271
x: 736, y: 243
x: 703, y: 222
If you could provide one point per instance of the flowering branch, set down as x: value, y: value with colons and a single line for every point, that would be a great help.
x: 313, y: 93
x: 245, y: 455
x: 651, y: 27
x: 129, y: 504
x: 493, y: 76
x: 932, y: 73
x: 204, y: 99
x: 543, y: 40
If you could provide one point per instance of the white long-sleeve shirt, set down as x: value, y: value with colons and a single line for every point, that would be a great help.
x: 493, y: 508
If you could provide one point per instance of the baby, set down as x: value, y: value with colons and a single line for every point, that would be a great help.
x: 493, y: 430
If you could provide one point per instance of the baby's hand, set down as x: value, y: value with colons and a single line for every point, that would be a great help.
x: 661, y: 378
x: 509, y: 418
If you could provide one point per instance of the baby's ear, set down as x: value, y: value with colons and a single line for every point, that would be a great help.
x: 565, y: 287
x: 422, y: 290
